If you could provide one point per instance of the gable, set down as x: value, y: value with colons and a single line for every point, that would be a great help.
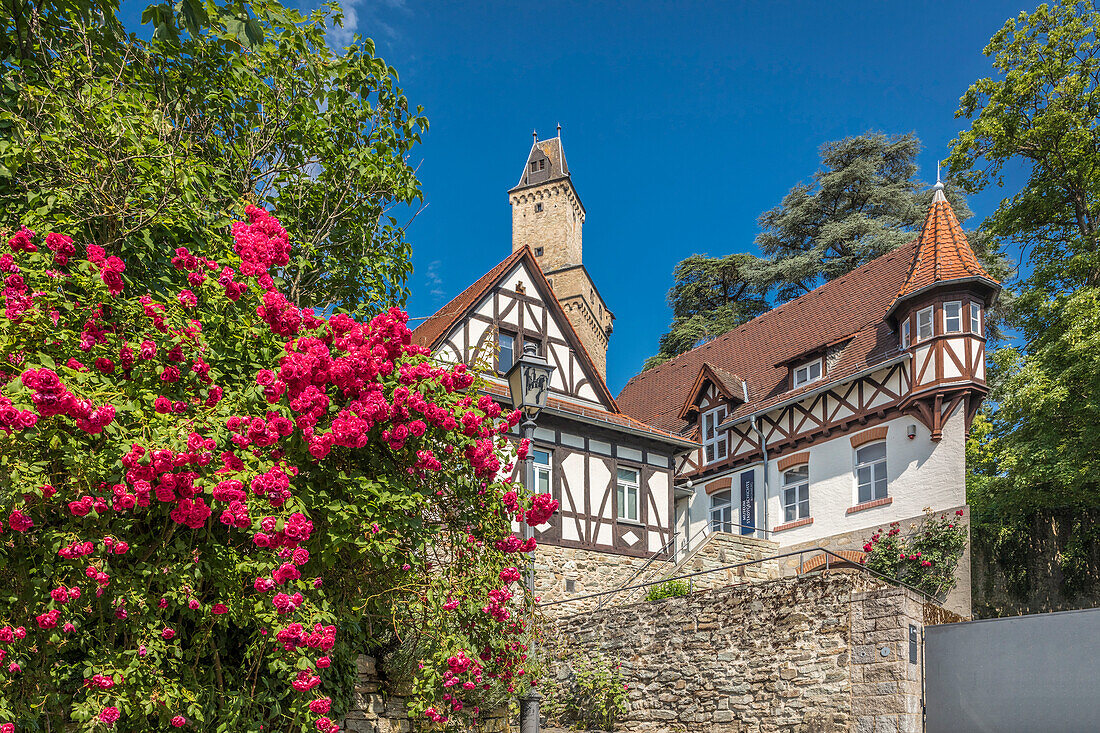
x: 520, y: 302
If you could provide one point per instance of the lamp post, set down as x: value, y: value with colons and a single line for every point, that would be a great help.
x: 529, y: 386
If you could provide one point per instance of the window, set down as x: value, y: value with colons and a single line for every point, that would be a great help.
x: 807, y: 373
x: 534, y: 166
x: 952, y: 317
x: 905, y: 334
x: 924, y: 324
x: 627, y: 494
x: 538, y: 251
x: 542, y: 164
x: 538, y: 207
x: 871, y: 471
x: 507, y: 355
x: 975, y: 319
x: 714, y: 440
x: 796, y: 493
x: 721, y: 511
x: 542, y: 471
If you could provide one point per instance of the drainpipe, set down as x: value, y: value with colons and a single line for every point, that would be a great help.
x: 764, y: 450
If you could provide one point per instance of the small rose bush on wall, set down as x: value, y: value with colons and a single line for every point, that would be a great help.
x: 927, y: 558
x: 212, y: 500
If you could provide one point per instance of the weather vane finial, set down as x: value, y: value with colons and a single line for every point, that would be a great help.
x: 559, y: 129
x: 938, y: 171
x: 535, y: 134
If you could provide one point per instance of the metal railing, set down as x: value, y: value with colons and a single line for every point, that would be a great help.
x: 829, y: 561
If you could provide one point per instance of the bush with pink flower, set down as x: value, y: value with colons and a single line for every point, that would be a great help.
x: 927, y: 557
x: 205, y: 528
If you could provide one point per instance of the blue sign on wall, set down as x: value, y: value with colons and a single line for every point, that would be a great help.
x: 748, y: 502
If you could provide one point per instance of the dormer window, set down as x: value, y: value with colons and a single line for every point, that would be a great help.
x: 715, y: 446
x: 807, y: 373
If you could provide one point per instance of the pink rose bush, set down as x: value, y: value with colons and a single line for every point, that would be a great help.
x: 214, y: 500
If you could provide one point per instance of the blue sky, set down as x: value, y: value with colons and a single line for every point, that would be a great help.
x: 682, y: 122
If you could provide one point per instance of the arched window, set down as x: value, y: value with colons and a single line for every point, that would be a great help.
x: 721, y: 511
x: 796, y: 493
x: 871, y: 471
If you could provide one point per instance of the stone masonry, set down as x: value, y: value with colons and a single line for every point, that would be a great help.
x: 565, y: 573
x: 958, y: 599
x: 815, y: 654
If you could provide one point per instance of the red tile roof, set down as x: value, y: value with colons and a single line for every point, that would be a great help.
x: 850, y: 313
x: 943, y: 254
x: 852, y: 307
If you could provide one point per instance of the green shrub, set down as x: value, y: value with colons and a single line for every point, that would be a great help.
x: 668, y: 589
x: 594, y: 695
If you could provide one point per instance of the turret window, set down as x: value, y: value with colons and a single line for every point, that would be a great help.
x: 975, y: 319
x: 538, y: 251
x: 924, y: 324
x: 538, y: 207
x: 952, y: 317
x: 905, y: 334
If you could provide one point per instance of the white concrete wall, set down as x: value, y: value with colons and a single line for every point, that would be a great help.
x: 921, y: 473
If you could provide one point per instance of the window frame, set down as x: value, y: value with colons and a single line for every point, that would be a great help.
x: 622, y: 494
x: 819, y: 363
x: 542, y: 470
x: 976, y: 325
x: 801, y: 491
x: 930, y: 312
x: 906, y: 334
x: 717, y: 508
x: 872, y: 465
x: 947, y: 318
x: 514, y: 338
x: 538, y: 207
x: 719, y: 437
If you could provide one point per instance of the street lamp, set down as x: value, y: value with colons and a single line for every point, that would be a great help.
x: 529, y: 386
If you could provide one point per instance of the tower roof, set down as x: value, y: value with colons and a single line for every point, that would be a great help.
x: 546, y: 162
x: 942, y: 255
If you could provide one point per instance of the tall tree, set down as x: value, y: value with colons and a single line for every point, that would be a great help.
x: 1041, y: 449
x: 129, y: 143
x: 864, y: 201
x: 712, y: 295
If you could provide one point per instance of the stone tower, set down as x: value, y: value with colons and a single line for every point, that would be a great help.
x: 547, y: 216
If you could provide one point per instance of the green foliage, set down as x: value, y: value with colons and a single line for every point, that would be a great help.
x: 1041, y: 111
x: 143, y: 146
x: 593, y: 695
x: 863, y: 202
x: 668, y: 589
x: 711, y: 295
x: 926, y: 559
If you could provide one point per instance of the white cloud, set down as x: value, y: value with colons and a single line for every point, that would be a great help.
x: 435, y: 282
x: 369, y: 18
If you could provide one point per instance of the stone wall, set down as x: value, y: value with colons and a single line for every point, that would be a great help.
x: 723, y: 548
x: 377, y: 710
x: 567, y: 573
x: 958, y: 600
x: 815, y: 654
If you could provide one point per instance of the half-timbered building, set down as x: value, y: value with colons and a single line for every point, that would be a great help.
x: 838, y: 412
x: 611, y: 473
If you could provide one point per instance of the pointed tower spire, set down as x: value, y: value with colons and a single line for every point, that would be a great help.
x: 942, y: 254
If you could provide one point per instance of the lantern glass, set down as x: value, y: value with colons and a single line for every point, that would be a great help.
x: 529, y: 381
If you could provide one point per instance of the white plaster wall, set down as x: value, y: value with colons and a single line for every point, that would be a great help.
x: 921, y: 474
x: 573, y: 466
x: 659, y: 489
